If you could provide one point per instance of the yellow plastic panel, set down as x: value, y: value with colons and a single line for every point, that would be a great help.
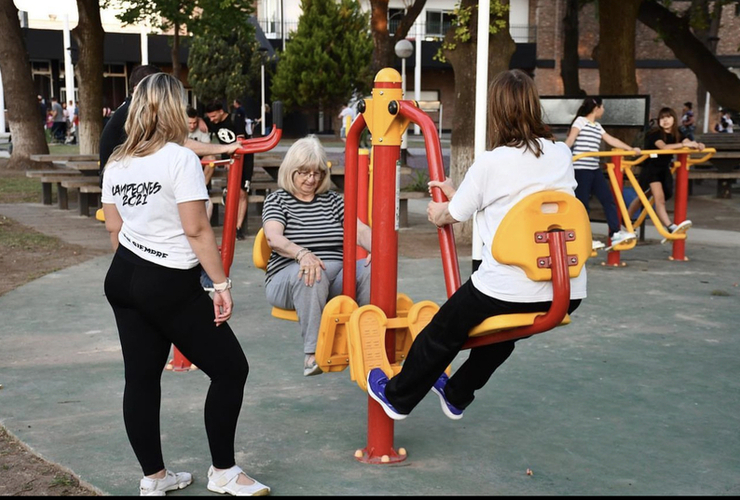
x: 99, y: 215
x: 332, y: 351
x: 515, y: 243
x: 507, y: 322
x: 367, y: 326
x: 286, y: 314
x: 261, y: 250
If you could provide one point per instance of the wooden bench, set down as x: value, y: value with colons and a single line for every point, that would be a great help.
x: 89, y: 197
x: 723, y: 165
x: 49, y: 177
x: 403, y: 205
x: 74, y: 184
x: 64, y: 157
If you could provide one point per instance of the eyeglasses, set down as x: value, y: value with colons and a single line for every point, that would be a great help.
x: 306, y: 175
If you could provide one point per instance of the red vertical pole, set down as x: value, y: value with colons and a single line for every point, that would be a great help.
x: 680, y: 204
x: 613, y: 258
x: 363, y: 187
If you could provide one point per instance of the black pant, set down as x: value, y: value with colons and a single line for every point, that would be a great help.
x: 441, y: 340
x: 156, y: 307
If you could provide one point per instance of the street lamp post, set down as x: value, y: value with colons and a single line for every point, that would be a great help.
x: 262, y: 51
x: 404, y: 49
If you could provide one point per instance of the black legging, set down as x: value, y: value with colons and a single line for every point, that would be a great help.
x: 156, y: 307
x: 441, y: 340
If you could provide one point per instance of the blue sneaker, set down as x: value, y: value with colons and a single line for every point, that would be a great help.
x: 376, y: 381
x: 448, y: 409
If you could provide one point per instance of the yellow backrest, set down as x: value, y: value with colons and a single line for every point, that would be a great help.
x: 261, y: 250
x: 515, y: 242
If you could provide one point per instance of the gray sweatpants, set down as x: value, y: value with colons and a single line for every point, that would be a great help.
x: 286, y: 290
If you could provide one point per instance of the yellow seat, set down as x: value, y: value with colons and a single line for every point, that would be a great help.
x: 548, y: 236
x: 260, y: 256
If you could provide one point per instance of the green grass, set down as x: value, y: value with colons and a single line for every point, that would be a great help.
x: 19, y: 189
x: 10, y: 238
x: 63, y: 480
x: 419, y: 179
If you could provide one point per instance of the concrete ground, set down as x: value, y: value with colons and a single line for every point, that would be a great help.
x: 640, y: 395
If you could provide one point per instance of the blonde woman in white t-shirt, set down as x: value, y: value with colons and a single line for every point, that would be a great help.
x: 153, y: 198
x: 525, y: 159
x: 585, y: 136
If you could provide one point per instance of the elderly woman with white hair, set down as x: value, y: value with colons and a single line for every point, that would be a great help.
x: 303, y: 222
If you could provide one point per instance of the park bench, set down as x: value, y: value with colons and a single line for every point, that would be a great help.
x: 724, y: 165
x: 6, y: 142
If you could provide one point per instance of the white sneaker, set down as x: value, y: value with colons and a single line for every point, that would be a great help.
x: 310, y: 367
x: 225, y: 482
x: 597, y: 245
x: 681, y: 228
x: 621, y: 237
x: 171, y: 481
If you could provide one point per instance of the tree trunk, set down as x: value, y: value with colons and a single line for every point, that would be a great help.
x: 569, y: 67
x: 26, y: 123
x: 176, y: 52
x: 723, y: 84
x: 615, y: 53
x: 90, y: 39
x: 706, y: 32
x: 384, y: 46
x: 462, y: 144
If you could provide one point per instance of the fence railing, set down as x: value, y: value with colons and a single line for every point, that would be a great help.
x: 520, y: 33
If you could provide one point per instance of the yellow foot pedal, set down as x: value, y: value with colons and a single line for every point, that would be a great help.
x: 332, y: 352
x: 367, y: 327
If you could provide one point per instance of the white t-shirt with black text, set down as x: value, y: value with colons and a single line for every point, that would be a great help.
x: 146, y: 192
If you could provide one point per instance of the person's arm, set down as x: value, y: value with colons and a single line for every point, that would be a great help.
x: 206, y: 148
x: 365, y: 238
x: 113, y: 223
x: 572, y: 134
x: 439, y: 214
x: 310, y: 264
x: 200, y: 235
x: 686, y: 143
x: 616, y: 143
x: 447, y: 187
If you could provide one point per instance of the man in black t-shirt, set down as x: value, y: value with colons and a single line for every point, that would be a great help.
x: 226, y: 131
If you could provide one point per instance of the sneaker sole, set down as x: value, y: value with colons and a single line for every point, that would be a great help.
x: 389, y: 412
x: 680, y: 230
x: 259, y: 493
x: 445, y: 410
x: 314, y: 370
x: 174, y: 487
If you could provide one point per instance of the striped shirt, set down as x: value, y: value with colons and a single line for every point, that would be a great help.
x: 587, y: 141
x: 317, y: 225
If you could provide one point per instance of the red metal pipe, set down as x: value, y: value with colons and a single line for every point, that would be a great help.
x: 349, y: 258
x: 680, y: 204
x: 363, y: 187
x: 613, y: 258
x: 560, y: 301
x: 446, y: 235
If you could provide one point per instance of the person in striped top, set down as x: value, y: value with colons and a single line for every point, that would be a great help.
x: 585, y: 136
x: 303, y: 222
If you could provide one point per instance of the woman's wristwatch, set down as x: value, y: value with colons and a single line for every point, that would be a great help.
x: 221, y: 287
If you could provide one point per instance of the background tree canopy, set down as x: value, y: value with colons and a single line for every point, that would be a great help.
x: 328, y: 58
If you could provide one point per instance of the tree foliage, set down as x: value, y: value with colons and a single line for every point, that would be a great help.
x: 194, y: 16
x: 224, y: 64
x: 328, y: 57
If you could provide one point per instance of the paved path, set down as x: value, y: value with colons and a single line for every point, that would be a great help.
x: 640, y: 395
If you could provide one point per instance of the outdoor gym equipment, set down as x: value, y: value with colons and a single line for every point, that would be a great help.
x: 681, y: 169
x: 248, y: 146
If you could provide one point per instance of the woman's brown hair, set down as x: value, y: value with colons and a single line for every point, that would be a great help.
x: 674, y: 129
x: 515, y: 113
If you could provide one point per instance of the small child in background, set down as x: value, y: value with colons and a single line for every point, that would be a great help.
x: 656, y: 172
x: 585, y: 136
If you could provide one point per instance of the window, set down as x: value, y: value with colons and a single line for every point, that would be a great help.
x: 438, y: 22
x: 394, y: 19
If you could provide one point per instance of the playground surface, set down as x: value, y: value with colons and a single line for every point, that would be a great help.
x: 640, y: 395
